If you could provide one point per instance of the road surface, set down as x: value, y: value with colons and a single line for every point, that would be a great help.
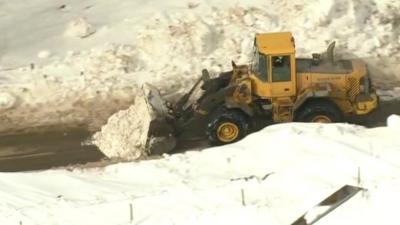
x: 45, y: 150
x: 57, y: 149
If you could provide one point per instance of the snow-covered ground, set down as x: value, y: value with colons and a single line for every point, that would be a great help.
x: 74, y: 63
x: 280, y: 180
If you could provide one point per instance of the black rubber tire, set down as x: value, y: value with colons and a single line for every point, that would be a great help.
x: 222, y: 116
x: 318, y: 107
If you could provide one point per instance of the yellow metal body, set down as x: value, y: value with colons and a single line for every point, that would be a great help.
x: 343, y: 88
x: 275, y: 43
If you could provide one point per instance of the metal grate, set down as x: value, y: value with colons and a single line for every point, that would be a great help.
x: 353, y: 88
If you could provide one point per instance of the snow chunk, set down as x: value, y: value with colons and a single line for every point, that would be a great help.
x: 393, y: 121
x: 125, y: 134
x: 7, y: 100
x: 44, y: 54
x: 79, y: 27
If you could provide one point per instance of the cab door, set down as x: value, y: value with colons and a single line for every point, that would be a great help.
x: 282, y: 75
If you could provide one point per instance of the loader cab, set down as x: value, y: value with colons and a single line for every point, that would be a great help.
x: 273, y: 65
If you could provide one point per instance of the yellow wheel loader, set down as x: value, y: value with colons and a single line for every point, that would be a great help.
x: 276, y: 87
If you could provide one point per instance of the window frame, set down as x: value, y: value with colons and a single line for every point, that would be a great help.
x: 261, y: 73
x: 272, y: 68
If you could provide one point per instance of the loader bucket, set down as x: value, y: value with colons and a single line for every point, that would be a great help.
x: 138, y: 131
x: 161, y: 135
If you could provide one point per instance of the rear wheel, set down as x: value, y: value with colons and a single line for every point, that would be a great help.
x: 319, y: 111
x: 227, y: 126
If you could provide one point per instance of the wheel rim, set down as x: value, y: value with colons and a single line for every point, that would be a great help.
x: 227, y: 132
x: 321, y: 119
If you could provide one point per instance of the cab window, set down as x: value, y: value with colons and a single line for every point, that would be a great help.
x: 281, y: 68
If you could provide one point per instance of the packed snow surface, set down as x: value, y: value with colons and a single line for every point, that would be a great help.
x: 75, y: 63
x: 283, y: 171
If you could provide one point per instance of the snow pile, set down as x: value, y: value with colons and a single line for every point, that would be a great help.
x: 186, y: 42
x: 83, y: 90
x: 280, y: 181
x: 125, y: 134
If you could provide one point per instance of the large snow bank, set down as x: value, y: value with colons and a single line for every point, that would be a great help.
x: 283, y: 170
x: 167, y: 43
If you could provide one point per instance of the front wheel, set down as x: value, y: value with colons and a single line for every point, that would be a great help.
x: 227, y: 127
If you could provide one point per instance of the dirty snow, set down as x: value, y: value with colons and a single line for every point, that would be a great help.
x: 76, y: 63
x: 280, y: 179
